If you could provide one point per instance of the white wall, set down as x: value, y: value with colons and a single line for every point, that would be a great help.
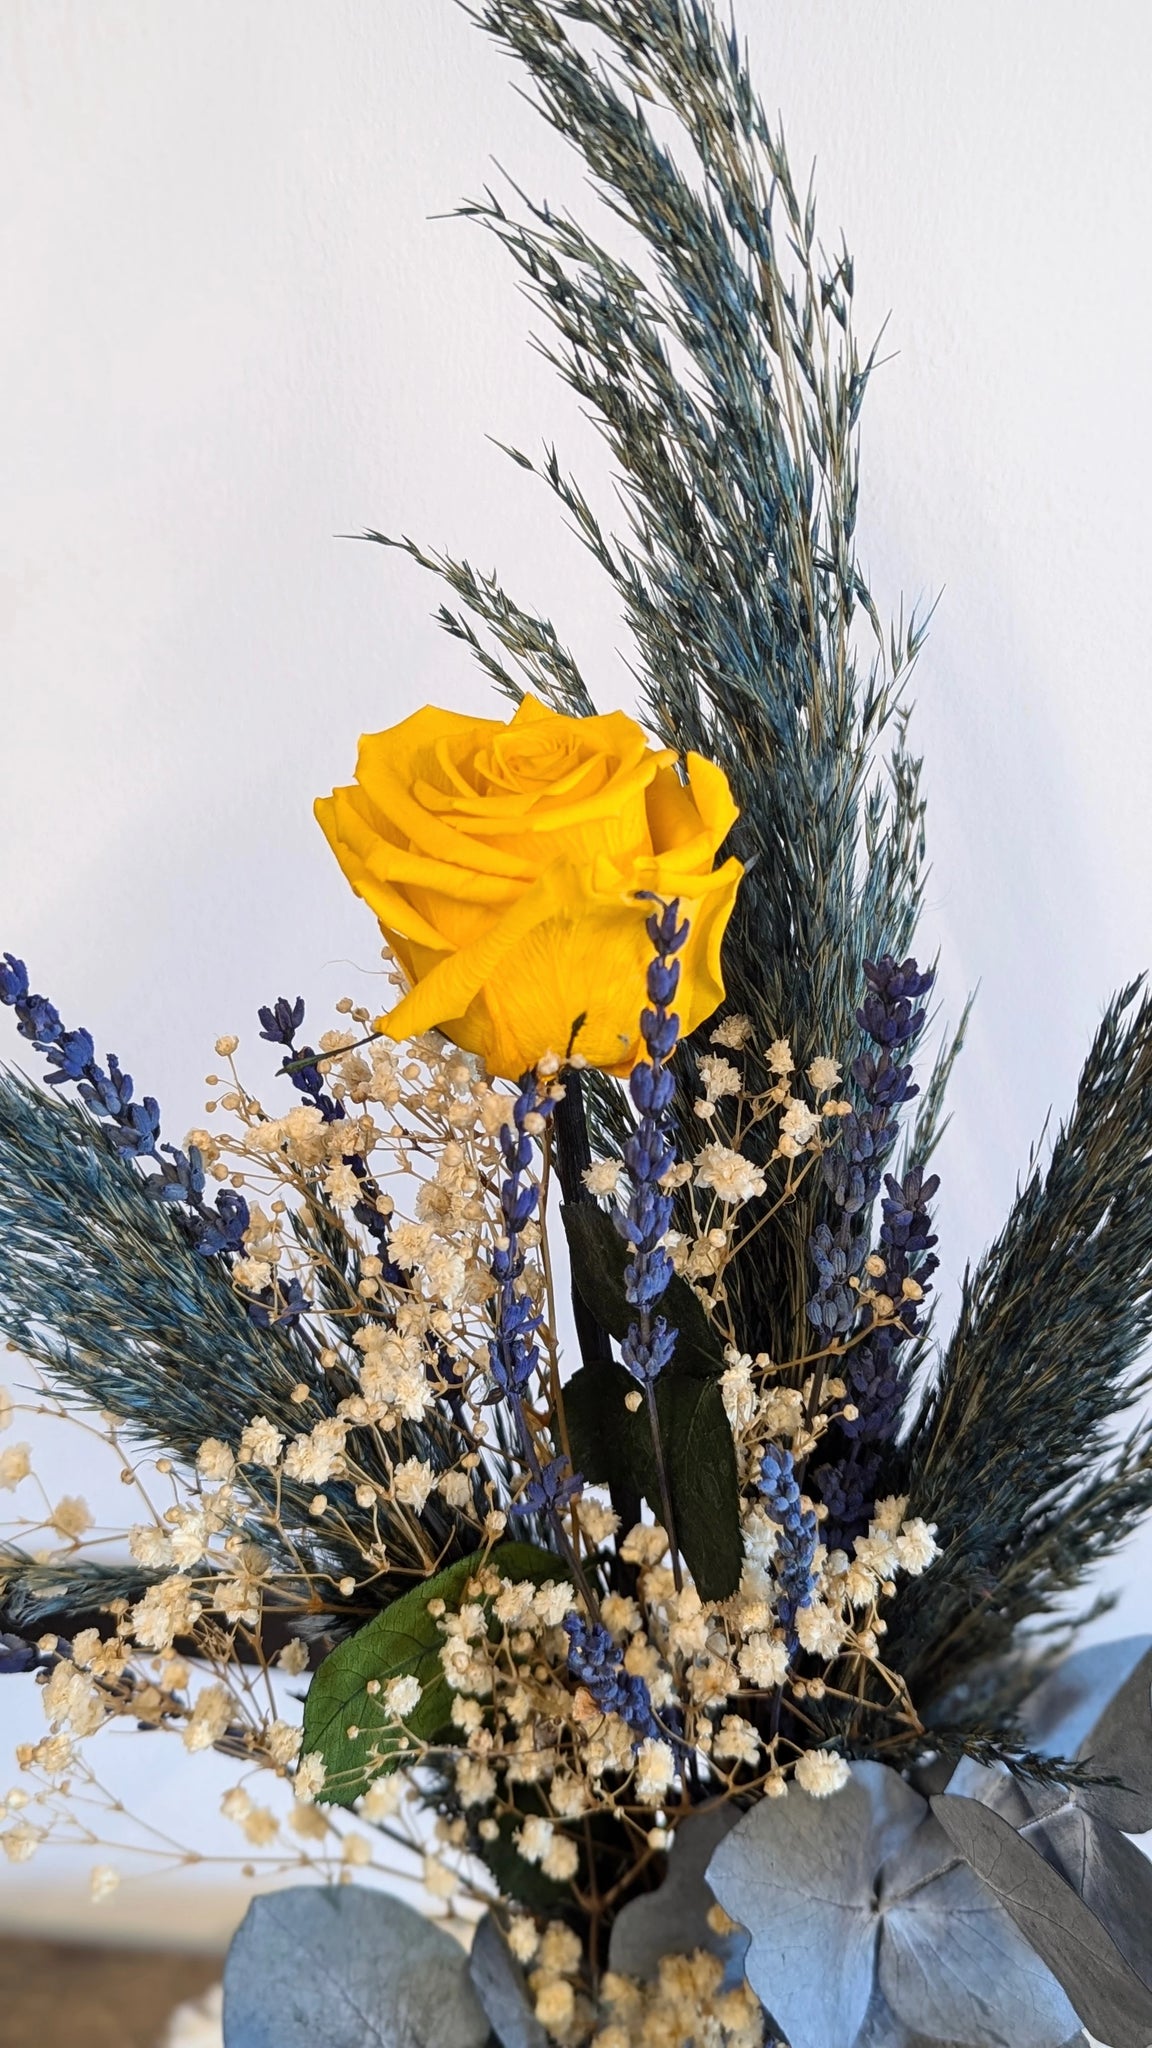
x: 230, y: 332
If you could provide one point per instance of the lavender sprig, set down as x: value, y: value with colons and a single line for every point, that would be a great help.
x: 133, y: 1127
x: 513, y: 1353
x: 279, y: 1023
x: 597, y: 1662
x: 648, y: 1155
x: 796, y: 1547
x: 893, y: 1018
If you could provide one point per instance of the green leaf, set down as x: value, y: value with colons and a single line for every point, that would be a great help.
x: 404, y: 1641
x: 599, y: 1255
x: 612, y: 1446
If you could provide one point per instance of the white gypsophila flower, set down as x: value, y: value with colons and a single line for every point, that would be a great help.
x: 733, y: 1032
x: 820, y: 1630
x: 475, y: 1781
x: 341, y: 1184
x: 282, y: 1741
x: 561, y: 1859
x: 71, y: 1517
x: 383, y: 1798
x: 253, y: 1274
x: 438, y: 1880
x: 260, y: 1442
x: 823, y: 1074
x: 167, y: 1610
x: 736, y: 1741
x: 799, y: 1124
x: 554, y: 2003
x: 655, y: 1768
x: 821, y: 1772
x: 308, y: 1780
x: 560, y: 1949
x: 763, y: 1661
x: 70, y: 1700
x: 7, y: 1409
x: 210, y: 1719
x: 719, y: 1076
x: 15, y: 1465
x: 523, y: 1938
x: 602, y: 1176
x: 455, y: 1488
x: 412, y: 1482
x: 739, y: 1394
x: 552, y: 1601
x: 356, y: 1851
x: 402, y: 1695
x: 319, y: 1455
x: 21, y: 1841
x: 779, y: 1057
x: 728, y: 1174
x: 534, y: 1837
x: 103, y: 1880
x: 916, y: 1546
x: 214, y: 1460
x: 597, y: 1520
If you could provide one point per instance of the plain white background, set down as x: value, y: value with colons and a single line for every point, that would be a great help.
x: 232, y: 331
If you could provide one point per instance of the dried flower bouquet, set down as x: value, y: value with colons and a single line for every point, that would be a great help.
x: 545, y: 1391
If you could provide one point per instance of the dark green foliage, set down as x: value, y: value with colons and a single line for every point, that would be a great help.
x: 403, y: 1642
x: 1013, y: 1454
x: 599, y: 1256
x: 613, y: 1447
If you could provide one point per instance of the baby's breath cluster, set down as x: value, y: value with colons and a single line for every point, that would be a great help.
x: 391, y: 1228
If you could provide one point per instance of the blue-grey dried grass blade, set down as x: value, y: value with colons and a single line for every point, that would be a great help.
x: 100, y: 1288
x: 1108, y: 1994
x: 318, y: 1967
x: 721, y: 369
x: 673, y: 1920
x: 498, y: 1982
x: 1014, y: 1453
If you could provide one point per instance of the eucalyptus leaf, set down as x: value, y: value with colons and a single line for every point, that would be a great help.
x: 612, y: 1446
x: 598, y: 1257
x: 344, y: 1967
x: 1108, y: 1995
x: 1097, y: 1707
x: 953, y: 1963
x: 673, y: 1920
x: 801, y: 1875
x: 864, y: 1922
x: 499, y: 1984
x: 404, y: 1641
x: 1108, y: 1872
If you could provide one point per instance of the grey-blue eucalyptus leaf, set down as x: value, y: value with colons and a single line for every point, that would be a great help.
x: 864, y: 1922
x: 882, y: 2029
x: 801, y: 1875
x: 499, y: 1984
x: 953, y: 1965
x: 1109, y: 1996
x: 344, y: 1967
x: 673, y: 1920
x: 1108, y: 1872
x: 1097, y: 1706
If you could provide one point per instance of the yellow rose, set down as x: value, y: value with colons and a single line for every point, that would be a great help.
x: 504, y: 860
